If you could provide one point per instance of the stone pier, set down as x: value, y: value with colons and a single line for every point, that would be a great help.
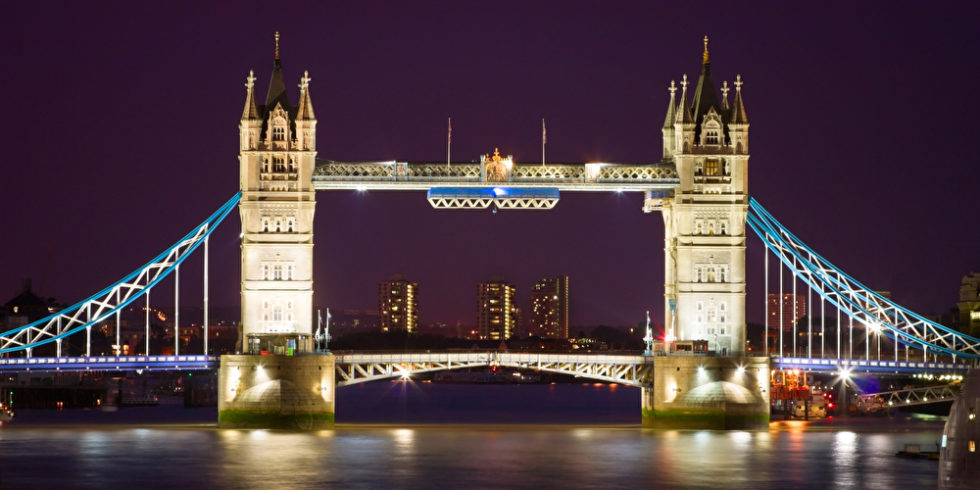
x: 700, y: 392
x: 276, y: 392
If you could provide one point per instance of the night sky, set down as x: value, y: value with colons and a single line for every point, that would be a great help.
x: 121, y: 134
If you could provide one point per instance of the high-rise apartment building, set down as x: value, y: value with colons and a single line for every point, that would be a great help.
x: 783, y: 315
x: 398, y: 305
x: 549, y: 308
x: 495, y: 310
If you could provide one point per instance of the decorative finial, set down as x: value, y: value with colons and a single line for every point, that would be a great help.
x: 305, y: 81
x: 738, y: 83
x: 684, y: 82
x: 250, y: 80
x: 496, y: 154
x: 706, y: 48
x: 672, y: 89
x: 277, y: 45
x: 724, y: 91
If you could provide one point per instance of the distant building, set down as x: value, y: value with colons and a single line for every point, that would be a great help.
x: 27, y: 307
x: 496, y: 311
x: 549, y: 308
x: 398, y: 305
x: 969, y: 304
x: 348, y: 320
x: 783, y: 314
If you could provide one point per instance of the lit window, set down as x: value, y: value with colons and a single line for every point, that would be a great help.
x: 711, y: 167
x: 973, y: 446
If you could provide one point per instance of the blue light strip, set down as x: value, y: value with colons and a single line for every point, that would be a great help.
x: 209, y: 224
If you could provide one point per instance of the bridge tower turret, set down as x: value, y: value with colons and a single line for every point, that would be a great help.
x: 276, y: 156
x: 704, y: 284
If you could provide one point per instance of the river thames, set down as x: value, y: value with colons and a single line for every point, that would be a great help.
x: 428, y: 435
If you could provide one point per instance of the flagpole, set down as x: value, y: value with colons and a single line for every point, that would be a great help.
x: 449, y: 142
x: 544, y: 139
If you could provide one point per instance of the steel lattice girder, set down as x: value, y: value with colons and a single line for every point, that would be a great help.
x: 914, y: 396
x: 853, y: 298
x: 629, y: 370
x: 101, y: 305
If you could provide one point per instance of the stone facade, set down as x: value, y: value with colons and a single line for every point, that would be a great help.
x: 277, y: 154
x: 704, y: 223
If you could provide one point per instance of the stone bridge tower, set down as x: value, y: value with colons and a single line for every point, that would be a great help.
x: 704, y: 225
x: 277, y: 152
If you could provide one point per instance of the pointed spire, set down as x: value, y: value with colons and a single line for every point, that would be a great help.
x: 251, y: 111
x: 277, y: 87
x: 705, y: 96
x: 305, y: 104
x: 684, y: 110
x: 671, y: 108
x: 724, y: 95
x: 738, y: 108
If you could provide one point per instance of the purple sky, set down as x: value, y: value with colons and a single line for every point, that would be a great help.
x: 122, y: 119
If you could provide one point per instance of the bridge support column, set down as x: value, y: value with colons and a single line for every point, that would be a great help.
x: 694, y: 392
x: 276, y: 392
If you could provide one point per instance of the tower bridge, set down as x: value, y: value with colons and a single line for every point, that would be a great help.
x: 700, y: 187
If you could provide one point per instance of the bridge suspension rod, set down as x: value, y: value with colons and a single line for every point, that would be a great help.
x: 856, y: 300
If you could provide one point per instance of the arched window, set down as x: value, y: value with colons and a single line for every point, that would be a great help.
x: 265, y: 164
x: 711, y: 137
x: 278, y: 133
x: 723, y: 228
x: 290, y: 224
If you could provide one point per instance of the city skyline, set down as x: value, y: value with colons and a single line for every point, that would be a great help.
x: 169, y: 116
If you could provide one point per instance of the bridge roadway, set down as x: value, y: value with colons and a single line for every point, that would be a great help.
x: 353, y: 368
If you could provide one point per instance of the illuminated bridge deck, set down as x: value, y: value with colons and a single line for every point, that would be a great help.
x: 108, y: 363
x: 819, y: 365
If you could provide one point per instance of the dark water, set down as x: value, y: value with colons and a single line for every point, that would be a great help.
x: 494, y: 436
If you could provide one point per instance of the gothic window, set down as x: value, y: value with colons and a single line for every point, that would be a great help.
x: 265, y: 224
x: 277, y: 272
x: 277, y: 313
x: 711, y: 137
x: 711, y: 168
x: 711, y: 274
x: 711, y: 227
x: 292, y: 164
x: 279, y: 133
x: 278, y: 225
x: 722, y: 228
x: 698, y: 227
x: 698, y: 170
x: 265, y: 272
x: 265, y: 164
x: 724, y: 274
x: 290, y: 224
x: 697, y: 276
x: 279, y: 164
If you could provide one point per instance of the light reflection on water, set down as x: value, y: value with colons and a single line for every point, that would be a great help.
x: 410, y: 455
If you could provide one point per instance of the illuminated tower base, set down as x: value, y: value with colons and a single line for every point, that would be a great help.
x: 276, y: 392
x: 694, y: 392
